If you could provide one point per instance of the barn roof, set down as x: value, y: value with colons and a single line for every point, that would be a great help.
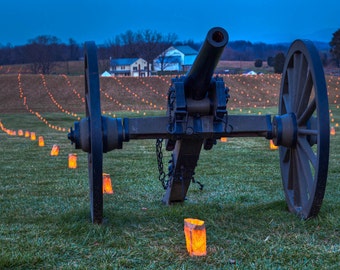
x: 186, y: 50
x: 123, y: 61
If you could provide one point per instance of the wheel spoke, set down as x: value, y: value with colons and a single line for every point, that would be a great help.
x: 299, y: 166
x: 287, y: 171
x: 301, y: 72
x: 297, y: 79
x: 296, y: 182
x: 304, y: 131
x: 302, y: 120
x: 307, y: 165
x: 293, y: 181
x: 305, y: 95
x: 291, y: 86
x: 302, y: 179
x: 286, y: 103
x: 285, y: 152
x: 307, y: 149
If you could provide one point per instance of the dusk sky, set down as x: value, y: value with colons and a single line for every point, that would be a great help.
x: 101, y: 20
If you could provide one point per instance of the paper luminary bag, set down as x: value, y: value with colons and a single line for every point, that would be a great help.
x: 195, y: 237
x: 107, y: 186
x: 72, y: 161
x: 33, y: 136
x: 41, y: 141
x: 55, y: 150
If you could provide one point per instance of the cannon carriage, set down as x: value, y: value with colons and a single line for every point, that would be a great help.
x: 197, y: 117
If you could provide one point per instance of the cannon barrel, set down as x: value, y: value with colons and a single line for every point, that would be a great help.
x: 198, y: 78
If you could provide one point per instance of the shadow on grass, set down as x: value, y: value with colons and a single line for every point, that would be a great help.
x: 121, y: 218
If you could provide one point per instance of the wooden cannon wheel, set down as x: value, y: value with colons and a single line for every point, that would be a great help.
x: 93, y: 113
x: 304, y: 159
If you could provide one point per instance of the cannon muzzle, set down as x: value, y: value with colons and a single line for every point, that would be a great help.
x: 198, y: 78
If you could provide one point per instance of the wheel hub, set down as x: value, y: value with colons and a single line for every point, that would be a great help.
x: 285, y: 130
x: 112, y: 134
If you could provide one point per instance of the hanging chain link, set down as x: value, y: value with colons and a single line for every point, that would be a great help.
x: 197, y: 182
x: 159, y: 154
x: 171, y: 102
x: 159, y: 142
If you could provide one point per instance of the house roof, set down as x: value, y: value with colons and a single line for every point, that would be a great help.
x: 123, y: 61
x: 187, y: 50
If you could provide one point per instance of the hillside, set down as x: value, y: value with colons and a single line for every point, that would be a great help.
x: 54, y: 93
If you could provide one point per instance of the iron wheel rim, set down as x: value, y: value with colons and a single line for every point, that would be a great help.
x: 93, y: 113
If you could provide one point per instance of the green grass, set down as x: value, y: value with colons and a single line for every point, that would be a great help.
x: 45, y: 220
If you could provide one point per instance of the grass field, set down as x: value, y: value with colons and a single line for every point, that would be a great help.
x: 45, y: 209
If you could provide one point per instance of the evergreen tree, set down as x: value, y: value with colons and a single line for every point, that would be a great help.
x: 335, y: 47
x: 279, y: 62
x: 270, y: 61
x: 258, y: 63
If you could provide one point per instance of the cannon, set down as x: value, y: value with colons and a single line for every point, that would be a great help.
x: 197, y: 117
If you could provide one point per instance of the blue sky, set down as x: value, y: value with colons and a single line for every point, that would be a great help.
x: 100, y: 20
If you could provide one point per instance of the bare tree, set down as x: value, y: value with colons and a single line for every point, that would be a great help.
x: 129, y: 43
x: 73, y: 48
x: 154, y: 43
x: 165, y: 61
x: 146, y: 44
x: 42, y: 52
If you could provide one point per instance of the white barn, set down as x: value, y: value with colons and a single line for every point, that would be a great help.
x: 175, y: 58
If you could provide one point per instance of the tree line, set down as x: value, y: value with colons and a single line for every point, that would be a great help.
x: 42, y: 52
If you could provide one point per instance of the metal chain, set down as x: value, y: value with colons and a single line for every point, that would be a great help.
x: 159, y: 154
x: 171, y: 101
x: 197, y: 182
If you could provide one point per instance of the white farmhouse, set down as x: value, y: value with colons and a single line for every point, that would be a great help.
x: 175, y: 58
x: 135, y: 67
